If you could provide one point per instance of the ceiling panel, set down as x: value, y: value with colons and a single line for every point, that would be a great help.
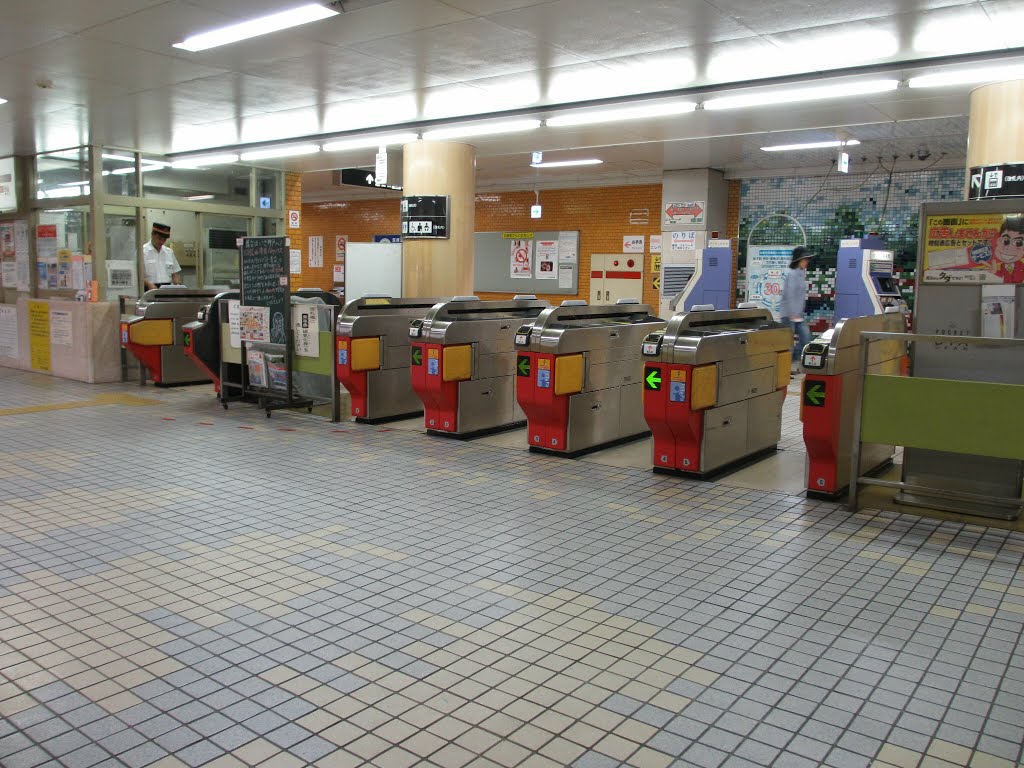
x: 768, y: 16
x: 73, y: 16
x: 386, y: 22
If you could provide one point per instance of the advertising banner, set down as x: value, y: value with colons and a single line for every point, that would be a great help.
x: 974, y: 248
x: 766, y: 269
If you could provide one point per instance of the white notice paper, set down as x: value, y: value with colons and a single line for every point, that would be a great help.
x: 633, y: 243
x: 547, y: 253
x: 21, y: 254
x: 10, y: 274
x: 316, y: 252
x: 8, y: 331
x: 60, y: 328
x: 997, y: 311
x: 568, y: 247
x: 233, y: 323
x: 684, y: 241
x: 295, y: 261
x: 565, y: 275
x: 306, y: 330
x: 655, y: 243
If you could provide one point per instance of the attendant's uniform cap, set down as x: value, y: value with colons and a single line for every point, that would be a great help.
x: 161, y: 229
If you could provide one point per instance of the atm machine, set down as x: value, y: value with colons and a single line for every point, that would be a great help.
x: 705, y: 280
x: 865, y: 278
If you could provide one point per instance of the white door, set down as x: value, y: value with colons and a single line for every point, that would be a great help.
x: 615, y: 276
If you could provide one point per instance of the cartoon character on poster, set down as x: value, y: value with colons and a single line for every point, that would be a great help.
x: 1007, y: 260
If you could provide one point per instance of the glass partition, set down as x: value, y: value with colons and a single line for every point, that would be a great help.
x: 122, y: 235
x: 63, y: 249
x: 119, y: 173
x: 220, y: 249
x: 62, y: 174
x: 218, y: 184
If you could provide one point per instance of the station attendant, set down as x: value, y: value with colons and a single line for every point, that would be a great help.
x: 794, y: 301
x: 161, y: 266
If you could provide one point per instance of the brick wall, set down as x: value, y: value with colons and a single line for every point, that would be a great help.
x: 601, y: 215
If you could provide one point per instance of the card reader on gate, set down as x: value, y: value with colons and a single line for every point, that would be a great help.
x: 815, y: 355
x: 652, y: 344
x: 415, y: 328
x: 523, y: 336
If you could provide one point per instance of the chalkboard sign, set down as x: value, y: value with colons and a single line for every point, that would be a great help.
x: 425, y: 217
x: 264, y: 282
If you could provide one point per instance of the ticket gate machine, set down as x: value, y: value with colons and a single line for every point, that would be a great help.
x: 578, y: 374
x: 155, y: 334
x: 463, y: 363
x: 202, y: 339
x: 865, y: 278
x: 373, y: 355
x: 714, y: 383
x: 831, y: 388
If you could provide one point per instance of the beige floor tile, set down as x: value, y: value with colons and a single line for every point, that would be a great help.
x: 368, y: 746
x: 507, y: 753
x: 256, y: 751
x: 477, y: 740
x: 342, y: 733
x: 452, y: 756
x: 396, y: 757
x: 615, y: 746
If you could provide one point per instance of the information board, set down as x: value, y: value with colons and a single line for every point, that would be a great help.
x: 264, y: 281
x: 425, y: 217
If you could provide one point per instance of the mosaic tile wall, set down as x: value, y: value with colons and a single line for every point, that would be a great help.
x: 830, y: 208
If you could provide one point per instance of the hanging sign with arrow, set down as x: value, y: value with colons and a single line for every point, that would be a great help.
x: 691, y: 212
x: 814, y: 393
x: 652, y: 378
x: 360, y: 177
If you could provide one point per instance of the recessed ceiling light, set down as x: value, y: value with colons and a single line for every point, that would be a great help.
x: 566, y: 163
x: 256, y: 27
x: 811, y: 145
x: 625, y: 113
x: 199, y: 161
x: 369, y: 142
x: 795, y: 95
x: 968, y: 76
x: 481, y: 129
x: 274, y: 152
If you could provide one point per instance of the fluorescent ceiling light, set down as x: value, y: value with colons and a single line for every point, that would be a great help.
x: 370, y: 142
x: 201, y: 197
x: 204, y: 160
x: 274, y: 152
x: 566, y: 163
x: 3, y: 101
x: 968, y: 76
x: 482, y: 129
x: 794, y: 95
x: 83, y: 183
x: 811, y: 145
x: 256, y: 27
x: 625, y: 113
x: 122, y: 158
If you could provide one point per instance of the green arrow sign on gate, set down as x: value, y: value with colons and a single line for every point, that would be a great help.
x: 652, y: 378
x: 814, y: 393
x: 523, y: 365
x: 417, y: 356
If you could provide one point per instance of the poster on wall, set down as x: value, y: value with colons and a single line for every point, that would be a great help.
x: 295, y: 261
x: 766, y: 269
x: 997, y: 311
x: 46, y: 255
x: 8, y: 331
x: 7, y: 240
x: 21, y: 255
x: 306, y: 330
x: 974, y: 248
x: 60, y: 328
x: 547, y: 255
x: 341, y: 247
x: 521, y: 258
x: 316, y: 252
x: 568, y: 247
x: 39, y: 335
x: 254, y: 323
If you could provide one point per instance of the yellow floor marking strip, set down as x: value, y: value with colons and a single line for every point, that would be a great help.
x: 105, y: 399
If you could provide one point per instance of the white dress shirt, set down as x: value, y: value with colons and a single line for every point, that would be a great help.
x: 160, y: 265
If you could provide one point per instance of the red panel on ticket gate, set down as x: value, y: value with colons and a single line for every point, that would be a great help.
x: 821, y: 398
x: 147, y: 355
x: 191, y: 355
x: 353, y: 381
x: 440, y: 398
x: 547, y: 413
x: 677, y: 430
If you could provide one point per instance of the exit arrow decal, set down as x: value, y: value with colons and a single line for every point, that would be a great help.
x: 523, y: 366
x: 417, y: 356
x: 814, y: 393
x: 652, y: 379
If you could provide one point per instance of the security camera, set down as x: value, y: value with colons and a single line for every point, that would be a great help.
x: 923, y: 153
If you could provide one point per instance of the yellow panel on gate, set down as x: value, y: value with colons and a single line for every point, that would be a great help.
x: 704, y: 387
x: 365, y: 355
x: 568, y: 374
x: 782, y: 364
x: 151, y: 333
x: 457, y: 363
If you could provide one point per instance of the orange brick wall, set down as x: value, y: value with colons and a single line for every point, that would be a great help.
x: 601, y: 215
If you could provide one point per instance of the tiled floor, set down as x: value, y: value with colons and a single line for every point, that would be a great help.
x: 184, y: 586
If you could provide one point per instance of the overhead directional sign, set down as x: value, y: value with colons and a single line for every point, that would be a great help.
x: 652, y: 378
x: 416, y: 356
x: 359, y: 177
x: 1005, y: 180
x: 523, y: 366
x: 814, y: 393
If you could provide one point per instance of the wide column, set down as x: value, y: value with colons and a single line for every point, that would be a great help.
x: 994, y: 135
x: 441, y: 267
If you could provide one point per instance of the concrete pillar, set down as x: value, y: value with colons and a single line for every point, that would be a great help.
x: 441, y: 267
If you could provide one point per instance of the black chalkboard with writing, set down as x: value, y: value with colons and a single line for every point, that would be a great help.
x: 264, y: 281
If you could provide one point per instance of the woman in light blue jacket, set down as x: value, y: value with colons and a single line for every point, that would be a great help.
x: 794, y: 300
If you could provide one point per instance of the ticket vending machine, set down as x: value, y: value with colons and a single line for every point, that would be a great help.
x: 710, y: 284
x: 865, y: 278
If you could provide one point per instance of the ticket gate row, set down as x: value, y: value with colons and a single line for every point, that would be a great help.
x: 830, y: 389
x: 578, y: 375
x: 463, y: 363
x: 202, y: 340
x: 155, y: 334
x: 714, y: 385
